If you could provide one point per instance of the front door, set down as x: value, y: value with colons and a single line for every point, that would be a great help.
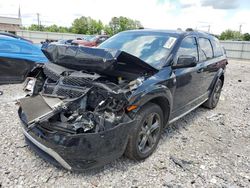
x: 188, y: 80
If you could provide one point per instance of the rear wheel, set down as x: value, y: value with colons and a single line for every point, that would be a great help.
x: 145, y: 136
x: 215, y: 95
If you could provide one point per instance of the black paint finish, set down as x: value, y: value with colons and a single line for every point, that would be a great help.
x: 175, y: 90
x: 14, y: 70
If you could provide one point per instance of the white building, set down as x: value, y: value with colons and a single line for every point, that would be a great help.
x: 9, y: 24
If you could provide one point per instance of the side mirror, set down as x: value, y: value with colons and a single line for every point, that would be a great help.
x: 185, y: 61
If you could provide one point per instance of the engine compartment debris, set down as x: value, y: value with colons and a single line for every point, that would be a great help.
x: 76, y: 102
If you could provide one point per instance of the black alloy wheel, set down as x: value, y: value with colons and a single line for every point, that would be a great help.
x: 149, y: 132
x: 215, y: 95
x: 145, y: 136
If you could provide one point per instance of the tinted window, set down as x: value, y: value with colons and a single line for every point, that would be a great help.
x: 205, y: 49
x: 188, y: 47
x: 218, y: 51
x: 148, y: 46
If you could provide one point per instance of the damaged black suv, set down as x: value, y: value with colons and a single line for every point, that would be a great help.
x: 89, y: 106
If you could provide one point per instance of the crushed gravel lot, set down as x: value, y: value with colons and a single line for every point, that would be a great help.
x: 206, y: 148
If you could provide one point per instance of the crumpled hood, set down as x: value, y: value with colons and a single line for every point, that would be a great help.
x: 103, y: 61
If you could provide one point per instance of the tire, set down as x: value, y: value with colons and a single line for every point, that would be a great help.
x: 215, y: 96
x: 144, y: 138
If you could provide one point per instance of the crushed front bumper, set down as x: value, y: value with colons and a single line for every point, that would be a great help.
x: 80, y: 151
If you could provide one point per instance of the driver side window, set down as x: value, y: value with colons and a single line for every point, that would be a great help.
x: 188, y: 47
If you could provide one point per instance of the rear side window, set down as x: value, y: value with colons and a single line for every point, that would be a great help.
x: 205, y: 49
x: 218, y: 51
x: 188, y: 47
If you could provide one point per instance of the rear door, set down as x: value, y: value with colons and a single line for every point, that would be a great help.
x: 208, y: 66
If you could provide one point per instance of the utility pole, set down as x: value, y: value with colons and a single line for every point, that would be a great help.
x: 38, y: 20
x: 240, y: 28
x: 209, y: 26
x: 19, y: 12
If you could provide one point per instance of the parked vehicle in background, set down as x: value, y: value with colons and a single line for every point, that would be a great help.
x: 85, y: 37
x: 79, y: 40
x: 91, y: 41
x: 63, y: 41
x: 14, y: 36
x: 92, y: 105
x: 17, y: 58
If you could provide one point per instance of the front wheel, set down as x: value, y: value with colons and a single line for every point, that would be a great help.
x: 145, y: 136
x: 215, y: 95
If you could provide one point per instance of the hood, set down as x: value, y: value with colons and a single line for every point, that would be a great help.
x: 103, y: 61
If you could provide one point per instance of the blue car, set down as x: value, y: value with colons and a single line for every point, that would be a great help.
x: 18, y: 57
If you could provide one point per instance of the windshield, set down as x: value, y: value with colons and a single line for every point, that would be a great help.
x: 150, y: 47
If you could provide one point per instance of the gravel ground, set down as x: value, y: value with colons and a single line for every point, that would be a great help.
x: 206, y: 148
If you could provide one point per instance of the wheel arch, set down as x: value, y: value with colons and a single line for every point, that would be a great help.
x: 164, y: 104
x: 219, y: 75
x: 164, y: 101
x: 222, y: 78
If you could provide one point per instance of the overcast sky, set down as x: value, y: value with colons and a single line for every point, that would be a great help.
x: 160, y: 14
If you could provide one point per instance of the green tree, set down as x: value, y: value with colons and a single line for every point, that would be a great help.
x: 80, y: 25
x: 63, y: 29
x: 230, y: 35
x: 108, y: 30
x: 94, y: 27
x: 89, y: 26
x: 86, y: 25
x: 246, y: 37
x: 118, y: 24
x: 52, y: 28
x: 35, y: 27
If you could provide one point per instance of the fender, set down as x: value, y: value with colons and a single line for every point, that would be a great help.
x: 219, y: 73
x: 157, y: 91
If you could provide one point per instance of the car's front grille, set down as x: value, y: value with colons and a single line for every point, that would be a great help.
x: 63, y: 82
x: 75, y: 81
x: 64, y: 91
x: 71, y: 93
x: 50, y: 74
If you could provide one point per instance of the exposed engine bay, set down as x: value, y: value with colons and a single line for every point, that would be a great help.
x: 82, y: 90
x: 62, y: 99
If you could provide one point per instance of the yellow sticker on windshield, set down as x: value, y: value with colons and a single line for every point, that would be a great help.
x: 169, y: 43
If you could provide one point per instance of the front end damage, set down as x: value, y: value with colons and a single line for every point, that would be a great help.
x: 77, y: 119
